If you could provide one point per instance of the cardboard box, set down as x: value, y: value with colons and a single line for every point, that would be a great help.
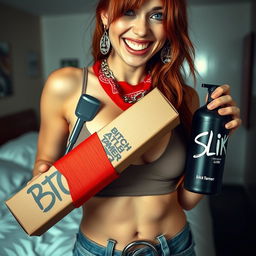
x: 46, y: 200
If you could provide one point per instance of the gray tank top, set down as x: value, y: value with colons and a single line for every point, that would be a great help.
x: 159, y: 177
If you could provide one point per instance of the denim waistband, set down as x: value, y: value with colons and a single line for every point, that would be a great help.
x: 165, y: 246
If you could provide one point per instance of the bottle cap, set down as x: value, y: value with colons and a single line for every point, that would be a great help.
x: 211, y: 88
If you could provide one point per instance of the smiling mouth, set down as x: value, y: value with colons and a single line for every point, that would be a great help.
x: 137, y: 46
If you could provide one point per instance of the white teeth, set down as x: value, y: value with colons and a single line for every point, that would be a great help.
x: 136, y: 46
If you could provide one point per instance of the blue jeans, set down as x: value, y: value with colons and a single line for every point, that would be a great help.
x: 180, y: 245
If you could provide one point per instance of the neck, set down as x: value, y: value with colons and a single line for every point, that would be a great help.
x: 124, y: 72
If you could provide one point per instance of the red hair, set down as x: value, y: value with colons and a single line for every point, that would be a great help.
x: 167, y: 77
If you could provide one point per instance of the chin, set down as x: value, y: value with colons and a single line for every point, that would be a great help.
x: 135, y: 61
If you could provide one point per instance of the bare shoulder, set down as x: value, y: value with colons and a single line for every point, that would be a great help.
x: 191, y: 98
x: 63, y: 82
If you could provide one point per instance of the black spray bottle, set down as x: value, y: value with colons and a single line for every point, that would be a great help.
x: 207, y: 149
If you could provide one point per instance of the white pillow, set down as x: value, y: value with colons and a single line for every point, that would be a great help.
x: 21, y: 150
x: 13, y: 178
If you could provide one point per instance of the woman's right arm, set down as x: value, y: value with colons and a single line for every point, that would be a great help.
x: 53, y: 132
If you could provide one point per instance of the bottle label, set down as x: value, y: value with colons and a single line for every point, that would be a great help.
x: 204, y: 177
x: 208, y: 148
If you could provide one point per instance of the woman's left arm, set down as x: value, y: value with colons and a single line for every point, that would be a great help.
x: 223, y: 99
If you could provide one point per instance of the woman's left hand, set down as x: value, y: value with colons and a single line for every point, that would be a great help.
x: 222, y: 98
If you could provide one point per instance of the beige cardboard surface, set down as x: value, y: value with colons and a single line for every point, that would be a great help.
x: 137, y: 129
x: 46, y: 200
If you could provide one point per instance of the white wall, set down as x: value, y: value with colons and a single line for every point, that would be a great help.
x: 66, y: 36
x: 216, y: 30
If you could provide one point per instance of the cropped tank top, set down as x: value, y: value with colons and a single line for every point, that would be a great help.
x: 159, y: 177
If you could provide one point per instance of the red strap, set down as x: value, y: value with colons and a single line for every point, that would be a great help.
x: 87, y: 169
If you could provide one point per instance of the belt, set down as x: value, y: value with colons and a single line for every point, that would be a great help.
x: 129, y: 246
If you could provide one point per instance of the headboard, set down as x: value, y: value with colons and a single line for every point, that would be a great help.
x: 14, y: 125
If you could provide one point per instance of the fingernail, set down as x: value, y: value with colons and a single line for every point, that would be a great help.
x: 221, y: 111
x: 210, y: 106
x: 41, y: 169
x: 213, y: 94
x: 228, y: 126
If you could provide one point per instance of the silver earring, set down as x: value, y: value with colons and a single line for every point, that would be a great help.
x: 166, y: 54
x: 104, y: 42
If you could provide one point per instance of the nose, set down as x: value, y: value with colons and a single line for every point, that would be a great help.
x: 140, y: 27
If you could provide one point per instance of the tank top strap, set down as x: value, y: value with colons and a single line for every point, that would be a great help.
x: 85, y: 79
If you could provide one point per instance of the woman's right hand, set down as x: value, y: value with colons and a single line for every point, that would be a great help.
x: 40, y: 168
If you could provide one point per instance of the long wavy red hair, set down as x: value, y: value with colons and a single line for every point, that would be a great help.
x: 167, y: 77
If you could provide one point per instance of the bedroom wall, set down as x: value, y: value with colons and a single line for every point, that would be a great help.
x: 22, y: 31
x: 73, y: 42
x: 218, y: 37
x: 250, y: 174
x: 217, y: 34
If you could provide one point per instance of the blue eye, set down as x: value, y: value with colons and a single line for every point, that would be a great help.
x: 129, y: 13
x: 157, y: 16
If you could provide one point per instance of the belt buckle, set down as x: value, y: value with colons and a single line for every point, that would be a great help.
x: 139, y: 242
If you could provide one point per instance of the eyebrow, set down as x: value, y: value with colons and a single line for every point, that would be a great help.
x: 157, y: 8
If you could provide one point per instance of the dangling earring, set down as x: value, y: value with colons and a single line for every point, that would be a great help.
x: 166, y: 54
x: 104, y: 42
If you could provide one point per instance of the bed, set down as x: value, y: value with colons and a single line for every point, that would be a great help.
x: 18, y: 142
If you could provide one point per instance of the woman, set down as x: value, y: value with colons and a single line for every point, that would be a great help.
x: 137, y: 45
